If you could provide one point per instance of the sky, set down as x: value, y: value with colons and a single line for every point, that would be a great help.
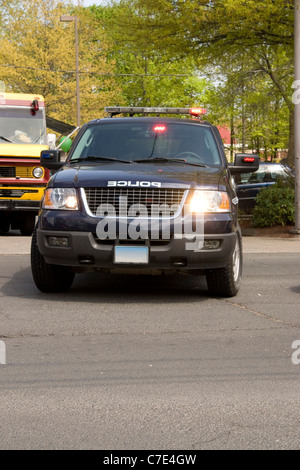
x: 87, y: 3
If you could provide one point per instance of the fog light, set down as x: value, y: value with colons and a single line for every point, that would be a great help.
x: 211, y: 244
x: 58, y: 241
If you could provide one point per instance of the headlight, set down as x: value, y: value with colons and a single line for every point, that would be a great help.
x: 38, y: 172
x: 60, y: 198
x: 210, y: 201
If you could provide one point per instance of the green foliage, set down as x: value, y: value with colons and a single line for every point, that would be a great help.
x: 233, y: 57
x: 275, y: 205
x: 37, y: 55
x: 147, y: 77
x: 243, y: 48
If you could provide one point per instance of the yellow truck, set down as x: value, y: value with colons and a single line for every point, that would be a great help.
x: 23, y: 136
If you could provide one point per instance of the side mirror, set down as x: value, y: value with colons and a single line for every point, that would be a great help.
x: 50, y: 159
x: 244, y: 163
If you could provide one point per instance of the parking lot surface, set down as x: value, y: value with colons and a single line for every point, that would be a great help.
x: 152, y: 363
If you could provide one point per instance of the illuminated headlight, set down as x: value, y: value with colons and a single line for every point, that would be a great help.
x: 38, y: 172
x: 60, y: 198
x: 210, y: 201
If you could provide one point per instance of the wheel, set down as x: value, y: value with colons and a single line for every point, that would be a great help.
x: 4, y: 225
x: 226, y: 282
x: 27, y: 224
x: 48, y: 277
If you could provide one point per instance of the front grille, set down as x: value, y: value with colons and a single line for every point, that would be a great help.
x: 13, y: 172
x: 24, y: 172
x: 100, y: 200
x: 7, y: 172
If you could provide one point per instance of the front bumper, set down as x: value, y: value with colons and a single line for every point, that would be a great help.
x: 23, y: 198
x: 85, y: 251
x: 11, y: 205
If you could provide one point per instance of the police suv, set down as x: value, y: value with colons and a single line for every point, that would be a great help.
x: 146, y: 192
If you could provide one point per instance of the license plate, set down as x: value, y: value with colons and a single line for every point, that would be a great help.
x: 131, y: 255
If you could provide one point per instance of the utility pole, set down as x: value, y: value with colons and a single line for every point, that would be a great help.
x: 297, y: 118
x: 67, y: 18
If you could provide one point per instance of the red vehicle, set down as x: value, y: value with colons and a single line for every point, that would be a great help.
x: 22, y: 179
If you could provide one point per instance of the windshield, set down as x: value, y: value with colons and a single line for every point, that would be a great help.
x: 19, y: 126
x: 140, y: 140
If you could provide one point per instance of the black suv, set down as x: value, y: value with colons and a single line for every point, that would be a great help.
x: 141, y: 194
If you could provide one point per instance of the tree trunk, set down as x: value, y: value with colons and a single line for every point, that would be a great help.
x: 231, y: 137
x: 258, y: 146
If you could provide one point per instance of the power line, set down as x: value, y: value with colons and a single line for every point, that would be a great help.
x: 97, y: 73
x: 244, y: 72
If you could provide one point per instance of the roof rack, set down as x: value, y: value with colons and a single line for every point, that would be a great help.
x: 113, y: 111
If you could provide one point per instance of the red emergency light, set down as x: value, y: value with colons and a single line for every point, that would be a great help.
x: 197, y: 111
x: 160, y: 128
x: 34, y: 107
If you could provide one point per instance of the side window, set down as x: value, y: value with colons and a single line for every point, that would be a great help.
x: 243, y: 178
x: 257, y: 177
x: 211, y: 148
x: 277, y: 174
x: 83, y: 147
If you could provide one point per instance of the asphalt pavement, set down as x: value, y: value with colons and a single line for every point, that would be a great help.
x: 126, y: 362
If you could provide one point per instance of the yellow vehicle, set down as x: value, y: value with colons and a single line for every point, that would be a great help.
x: 23, y: 136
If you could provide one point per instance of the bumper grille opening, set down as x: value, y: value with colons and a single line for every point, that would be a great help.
x: 17, y: 193
x: 179, y: 262
x: 86, y: 260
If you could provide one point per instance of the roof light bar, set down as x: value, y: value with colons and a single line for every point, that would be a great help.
x: 197, y: 111
x: 143, y: 110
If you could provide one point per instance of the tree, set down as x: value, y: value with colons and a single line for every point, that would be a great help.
x: 242, y: 95
x: 148, y: 77
x: 261, y: 31
x: 37, y: 55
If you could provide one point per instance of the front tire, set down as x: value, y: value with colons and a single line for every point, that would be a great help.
x: 226, y: 282
x: 4, y: 225
x: 27, y: 224
x: 48, y: 277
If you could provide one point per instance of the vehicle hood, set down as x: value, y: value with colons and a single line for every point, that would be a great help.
x: 21, y: 150
x: 175, y: 176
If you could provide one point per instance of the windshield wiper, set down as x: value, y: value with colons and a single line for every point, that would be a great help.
x: 146, y: 160
x: 6, y: 140
x: 94, y: 157
x: 170, y: 160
